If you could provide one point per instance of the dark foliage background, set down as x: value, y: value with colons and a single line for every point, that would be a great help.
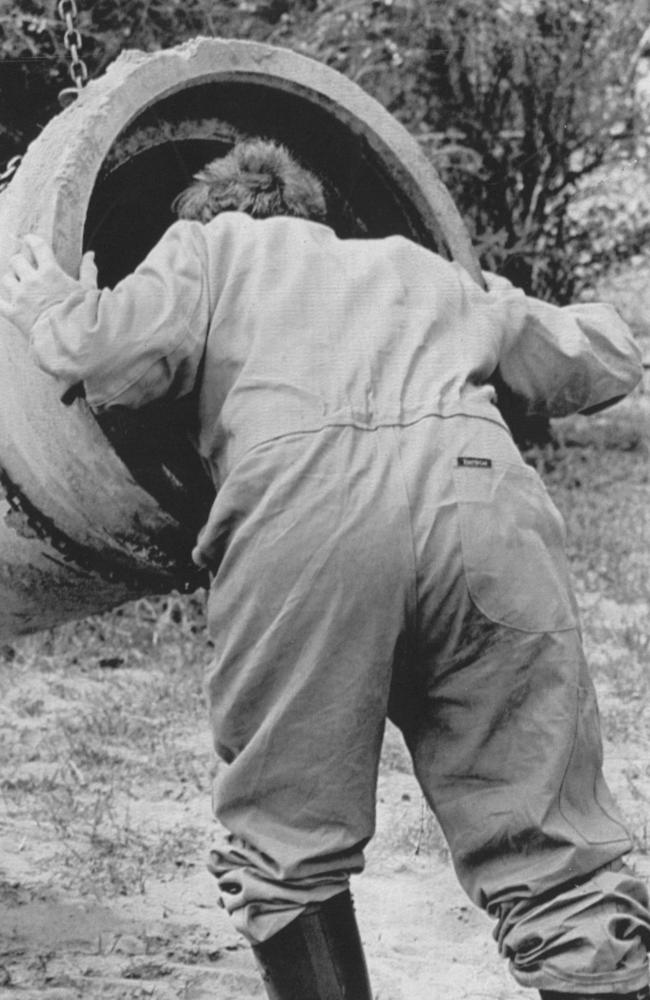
x: 527, y: 108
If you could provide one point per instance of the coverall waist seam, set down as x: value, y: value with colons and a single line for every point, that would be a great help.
x: 387, y: 424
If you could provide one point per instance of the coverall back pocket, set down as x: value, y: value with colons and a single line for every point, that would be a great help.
x: 512, y: 538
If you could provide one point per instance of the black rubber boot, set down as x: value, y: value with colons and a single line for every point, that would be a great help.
x: 318, y: 956
x: 642, y: 994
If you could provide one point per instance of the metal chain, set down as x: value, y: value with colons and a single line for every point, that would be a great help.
x: 9, y: 171
x: 72, y: 40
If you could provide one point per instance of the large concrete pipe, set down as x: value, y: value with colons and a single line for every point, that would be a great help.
x: 93, y: 515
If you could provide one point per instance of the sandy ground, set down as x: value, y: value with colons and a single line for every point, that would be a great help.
x: 168, y: 939
x: 422, y: 936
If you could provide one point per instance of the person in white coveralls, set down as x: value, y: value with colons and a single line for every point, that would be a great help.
x: 377, y: 548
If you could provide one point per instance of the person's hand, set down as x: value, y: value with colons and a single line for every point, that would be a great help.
x: 209, y: 548
x: 34, y: 281
x: 496, y: 282
x: 88, y: 271
x: 200, y: 557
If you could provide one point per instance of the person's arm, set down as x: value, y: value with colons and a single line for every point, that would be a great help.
x: 563, y: 360
x: 138, y: 342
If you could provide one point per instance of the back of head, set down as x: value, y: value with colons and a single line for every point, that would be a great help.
x: 258, y: 177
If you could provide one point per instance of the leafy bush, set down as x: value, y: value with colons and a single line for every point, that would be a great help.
x: 518, y: 104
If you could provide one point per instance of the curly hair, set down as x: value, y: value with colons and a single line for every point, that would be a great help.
x: 258, y: 177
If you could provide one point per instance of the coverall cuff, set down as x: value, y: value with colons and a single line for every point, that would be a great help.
x: 258, y: 922
x: 591, y: 939
x: 260, y: 906
x: 627, y: 984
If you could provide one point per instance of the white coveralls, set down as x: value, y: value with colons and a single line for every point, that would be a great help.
x: 378, y: 547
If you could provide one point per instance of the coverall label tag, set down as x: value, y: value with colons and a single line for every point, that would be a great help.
x: 474, y: 463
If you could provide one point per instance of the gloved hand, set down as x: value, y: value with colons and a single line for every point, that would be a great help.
x: 35, y: 281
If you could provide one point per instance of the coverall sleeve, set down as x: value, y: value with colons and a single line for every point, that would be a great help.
x: 140, y: 341
x: 564, y: 359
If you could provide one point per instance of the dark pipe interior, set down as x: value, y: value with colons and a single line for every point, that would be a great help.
x: 130, y: 205
x: 152, y: 161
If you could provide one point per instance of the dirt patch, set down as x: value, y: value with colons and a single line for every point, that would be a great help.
x: 167, y: 938
x: 172, y: 941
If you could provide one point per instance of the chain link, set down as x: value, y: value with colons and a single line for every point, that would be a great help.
x: 9, y: 171
x: 72, y: 40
